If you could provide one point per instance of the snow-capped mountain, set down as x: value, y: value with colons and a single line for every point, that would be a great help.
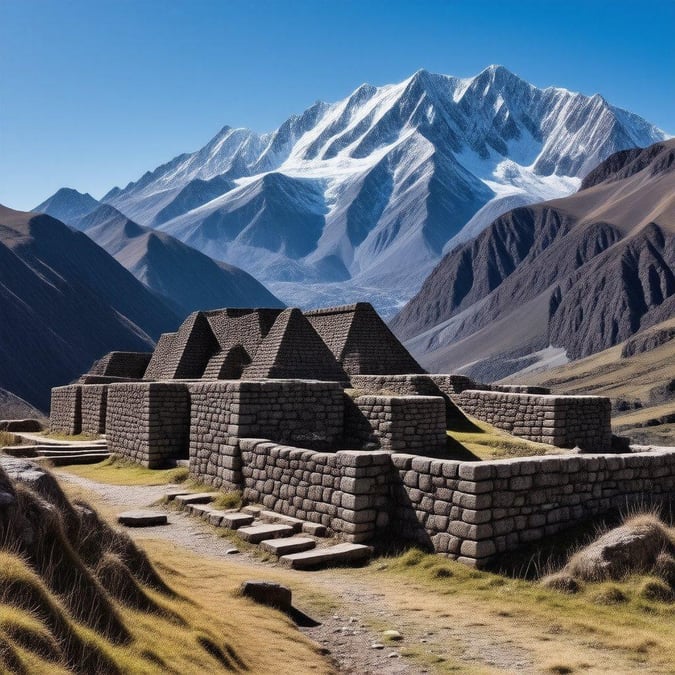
x: 360, y: 198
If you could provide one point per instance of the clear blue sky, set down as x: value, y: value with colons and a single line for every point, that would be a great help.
x: 94, y: 93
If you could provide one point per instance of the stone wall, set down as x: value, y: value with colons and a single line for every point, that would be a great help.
x: 564, y: 421
x: 472, y: 511
x: 455, y: 384
x: 65, y: 416
x: 345, y: 491
x: 94, y: 404
x: 520, y: 389
x: 303, y: 412
x: 413, y: 423
x: 148, y: 422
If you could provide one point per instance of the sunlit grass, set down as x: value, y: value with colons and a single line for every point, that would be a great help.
x: 116, y: 470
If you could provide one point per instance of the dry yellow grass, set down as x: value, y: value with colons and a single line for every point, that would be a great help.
x: 118, y: 471
x: 488, y: 442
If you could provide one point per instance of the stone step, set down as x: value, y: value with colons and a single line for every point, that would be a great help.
x: 57, y: 451
x: 142, y: 518
x: 63, y: 460
x: 199, y: 510
x: 274, y: 517
x: 175, y: 492
x: 258, y: 533
x: 332, y: 555
x: 315, y: 529
x: 253, y: 510
x: 234, y: 520
x: 287, y: 545
x: 195, y: 498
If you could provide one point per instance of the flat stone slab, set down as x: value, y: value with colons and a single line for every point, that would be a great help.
x: 199, y: 510
x: 274, y: 517
x: 195, y: 498
x: 233, y: 521
x: 175, y: 492
x: 332, y: 555
x: 142, y: 518
x: 315, y: 529
x: 259, y: 533
x: 252, y: 510
x: 289, y: 545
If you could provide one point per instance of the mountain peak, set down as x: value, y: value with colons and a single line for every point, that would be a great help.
x: 68, y: 205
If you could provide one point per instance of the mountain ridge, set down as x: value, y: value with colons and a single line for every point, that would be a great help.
x: 384, y: 179
x: 579, y: 274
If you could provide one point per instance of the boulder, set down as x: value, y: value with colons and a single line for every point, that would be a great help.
x: 268, y: 593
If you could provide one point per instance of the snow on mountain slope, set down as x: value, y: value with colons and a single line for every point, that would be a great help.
x: 361, y: 197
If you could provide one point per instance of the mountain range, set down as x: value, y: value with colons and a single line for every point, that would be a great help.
x: 187, y: 279
x: 361, y: 198
x: 557, y: 280
x: 64, y: 302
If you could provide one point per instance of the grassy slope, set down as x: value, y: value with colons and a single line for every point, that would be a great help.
x: 117, y: 471
x: 452, y: 617
x: 200, y: 625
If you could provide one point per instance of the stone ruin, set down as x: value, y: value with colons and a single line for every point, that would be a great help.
x: 325, y: 416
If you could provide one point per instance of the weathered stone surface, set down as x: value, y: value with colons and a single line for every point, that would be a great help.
x: 565, y: 421
x: 288, y: 545
x: 142, y: 518
x: 195, y: 498
x: 257, y: 533
x: 268, y: 593
x: 233, y: 521
x: 26, y: 426
x: 332, y: 555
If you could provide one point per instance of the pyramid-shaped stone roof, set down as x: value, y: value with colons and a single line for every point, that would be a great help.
x: 361, y: 341
x: 185, y: 354
x: 293, y: 349
x: 227, y: 364
x: 160, y: 357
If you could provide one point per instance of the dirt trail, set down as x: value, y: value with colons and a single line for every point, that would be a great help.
x: 355, y: 606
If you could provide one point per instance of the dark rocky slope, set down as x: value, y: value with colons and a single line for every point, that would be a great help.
x: 581, y: 273
x: 188, y: 279
x: 63, y: 303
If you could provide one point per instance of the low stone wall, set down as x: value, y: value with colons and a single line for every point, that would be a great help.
x: 472, y: 511
x: 520, y: 389
x: 564, y: 421
x: 148, y: 422
x: 397, y: 423
x: 304, y: 412
x: 94, y: 405
x: 455, y: 384
x: 417, y: 385
x: 65, y: 416
x: 346, y: 491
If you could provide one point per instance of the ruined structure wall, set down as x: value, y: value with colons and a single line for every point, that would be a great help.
x: 304, y: 412
x: 148, y: 422
x: 94, y: 404
x: 474, y: 510
x: 520, y: 389
x: 455, y: 384
x: 65, y: 416
x: 565, y: 421
x: 345, y: 491
x: 411, y: 423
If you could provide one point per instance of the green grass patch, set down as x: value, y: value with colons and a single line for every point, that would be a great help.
x: 488, y: 442
x: 116, y: 470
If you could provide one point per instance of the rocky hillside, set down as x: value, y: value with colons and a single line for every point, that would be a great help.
x: 333, y: 205
x: 555, y: 281
x: 64, y: 302
x: 186, y: 278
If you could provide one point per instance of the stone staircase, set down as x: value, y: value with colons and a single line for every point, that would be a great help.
x: 296, y: 543
x: 59, y: 452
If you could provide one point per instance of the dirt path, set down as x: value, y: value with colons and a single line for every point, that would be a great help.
x: 355, y: 606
